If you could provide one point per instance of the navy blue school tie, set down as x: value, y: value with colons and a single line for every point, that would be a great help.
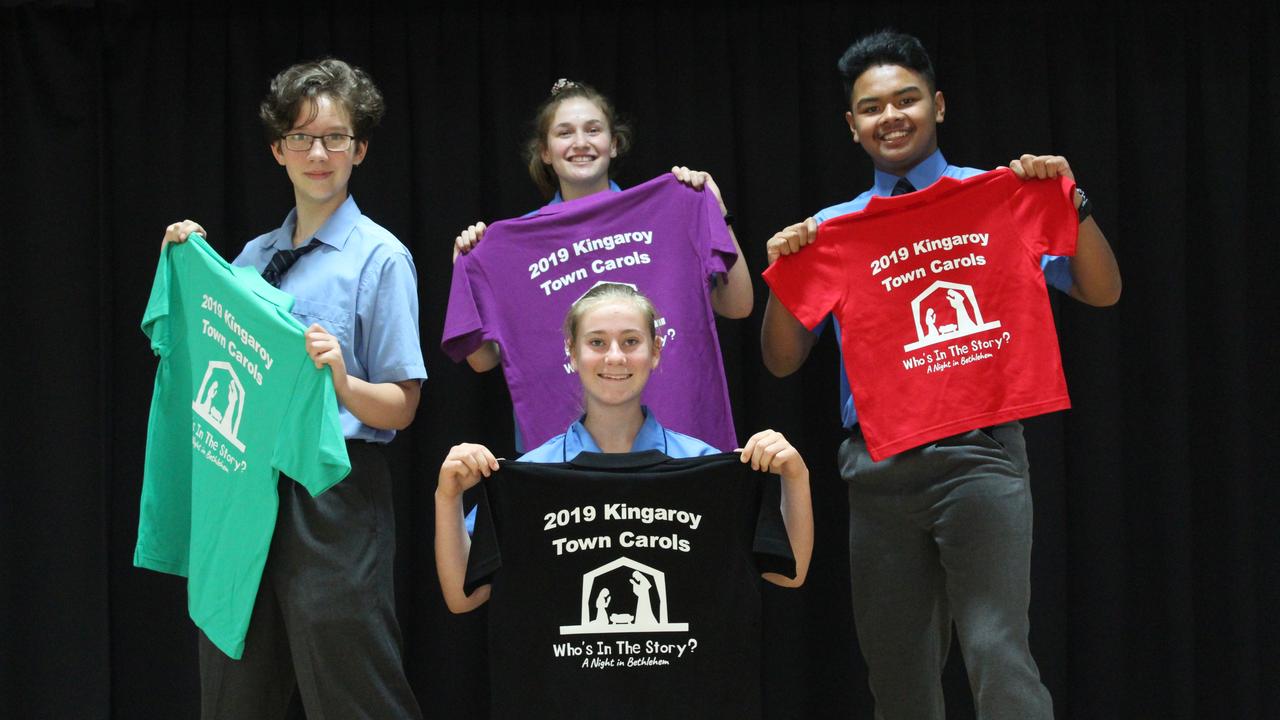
x: 283, y: 260
x: 902, y: 187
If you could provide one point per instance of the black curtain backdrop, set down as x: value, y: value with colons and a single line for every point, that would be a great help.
x: 1156, y: 565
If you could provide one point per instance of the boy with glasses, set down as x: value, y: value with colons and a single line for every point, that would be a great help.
x: 324, y: 619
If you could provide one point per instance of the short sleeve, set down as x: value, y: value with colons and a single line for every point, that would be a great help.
x: 392, y: 350
x: 1057, y: 272
x: 772, y: 545
x: 1045, y: 216
x: 716, y: 246
x: 310, y: 447
x: 811, y: 282
x: 155, y: 319
x: 464, y: 329
x: 485, y: 558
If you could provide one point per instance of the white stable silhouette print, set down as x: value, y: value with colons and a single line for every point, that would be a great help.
x: 220, y: 401
x: 965, y: 314
x: 646, y: 584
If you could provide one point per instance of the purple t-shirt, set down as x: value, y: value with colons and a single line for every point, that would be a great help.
x: 515, y: 287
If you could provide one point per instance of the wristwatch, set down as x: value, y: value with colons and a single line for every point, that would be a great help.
x: 1086, y: 207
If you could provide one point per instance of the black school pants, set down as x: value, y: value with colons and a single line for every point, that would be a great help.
x: 324, y: 620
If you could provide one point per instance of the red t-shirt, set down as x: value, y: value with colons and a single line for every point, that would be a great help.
x: 942, y: 304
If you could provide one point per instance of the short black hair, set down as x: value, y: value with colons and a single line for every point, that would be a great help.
x: 885, y: 47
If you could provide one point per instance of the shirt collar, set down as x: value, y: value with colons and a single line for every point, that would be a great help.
x: 334, y: 232
x: 556, y: 199
x: 921, y: 176
x: 651, y: 437
x: 253, y: 279
x: 619, y: 461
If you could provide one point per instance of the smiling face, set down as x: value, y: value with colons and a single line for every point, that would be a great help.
x: 578, y: 147
x: 320, y: 176
x: 894, y: 117
x: 614, y: 351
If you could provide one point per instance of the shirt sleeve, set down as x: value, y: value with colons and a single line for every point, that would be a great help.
x: 155, y: 319
x: 811, y: 282
x: 1057, y: 272
x: 310, y: 447
x: 389, y: 319
x: 772, y: 545
x: 464, y: 329
x: 1045, y: 216
x: 716, y: 246
x: 485, y: 558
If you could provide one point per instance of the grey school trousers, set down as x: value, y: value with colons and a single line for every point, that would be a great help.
x: 324, y: 620
x: 941, y: 534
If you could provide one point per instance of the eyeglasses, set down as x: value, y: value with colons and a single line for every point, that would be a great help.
x: 302, y: 142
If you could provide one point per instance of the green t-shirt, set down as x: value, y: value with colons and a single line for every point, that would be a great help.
x: 236, y: 402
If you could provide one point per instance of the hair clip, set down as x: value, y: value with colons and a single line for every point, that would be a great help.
x: 561, y: 85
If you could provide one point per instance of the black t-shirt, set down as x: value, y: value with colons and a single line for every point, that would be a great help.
x: 627, y: 585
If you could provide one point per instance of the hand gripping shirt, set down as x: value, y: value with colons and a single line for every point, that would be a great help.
x: 566, y: 446
x: 515, y: 287
x: 945, y: 318
x: 236, y: 402
x: 627, y: 585
x: 361, y: 286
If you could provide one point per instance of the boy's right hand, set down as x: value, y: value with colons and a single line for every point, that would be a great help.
x: 178, y: 232
x: 791, y: 239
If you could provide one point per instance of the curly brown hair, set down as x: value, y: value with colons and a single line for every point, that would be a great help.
x: 349, y: 86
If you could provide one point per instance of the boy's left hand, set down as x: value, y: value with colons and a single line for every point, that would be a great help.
x: 324, y: 349
x: 1040, y: 167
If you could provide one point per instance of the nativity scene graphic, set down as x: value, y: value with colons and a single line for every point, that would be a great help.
x: 220, y: 401
x: 946, y: 315
x: 624, y: 596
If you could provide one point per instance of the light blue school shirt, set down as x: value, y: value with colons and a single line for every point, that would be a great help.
x: 556, y: 199
x: 361, y: 286
x: 652, y: 436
